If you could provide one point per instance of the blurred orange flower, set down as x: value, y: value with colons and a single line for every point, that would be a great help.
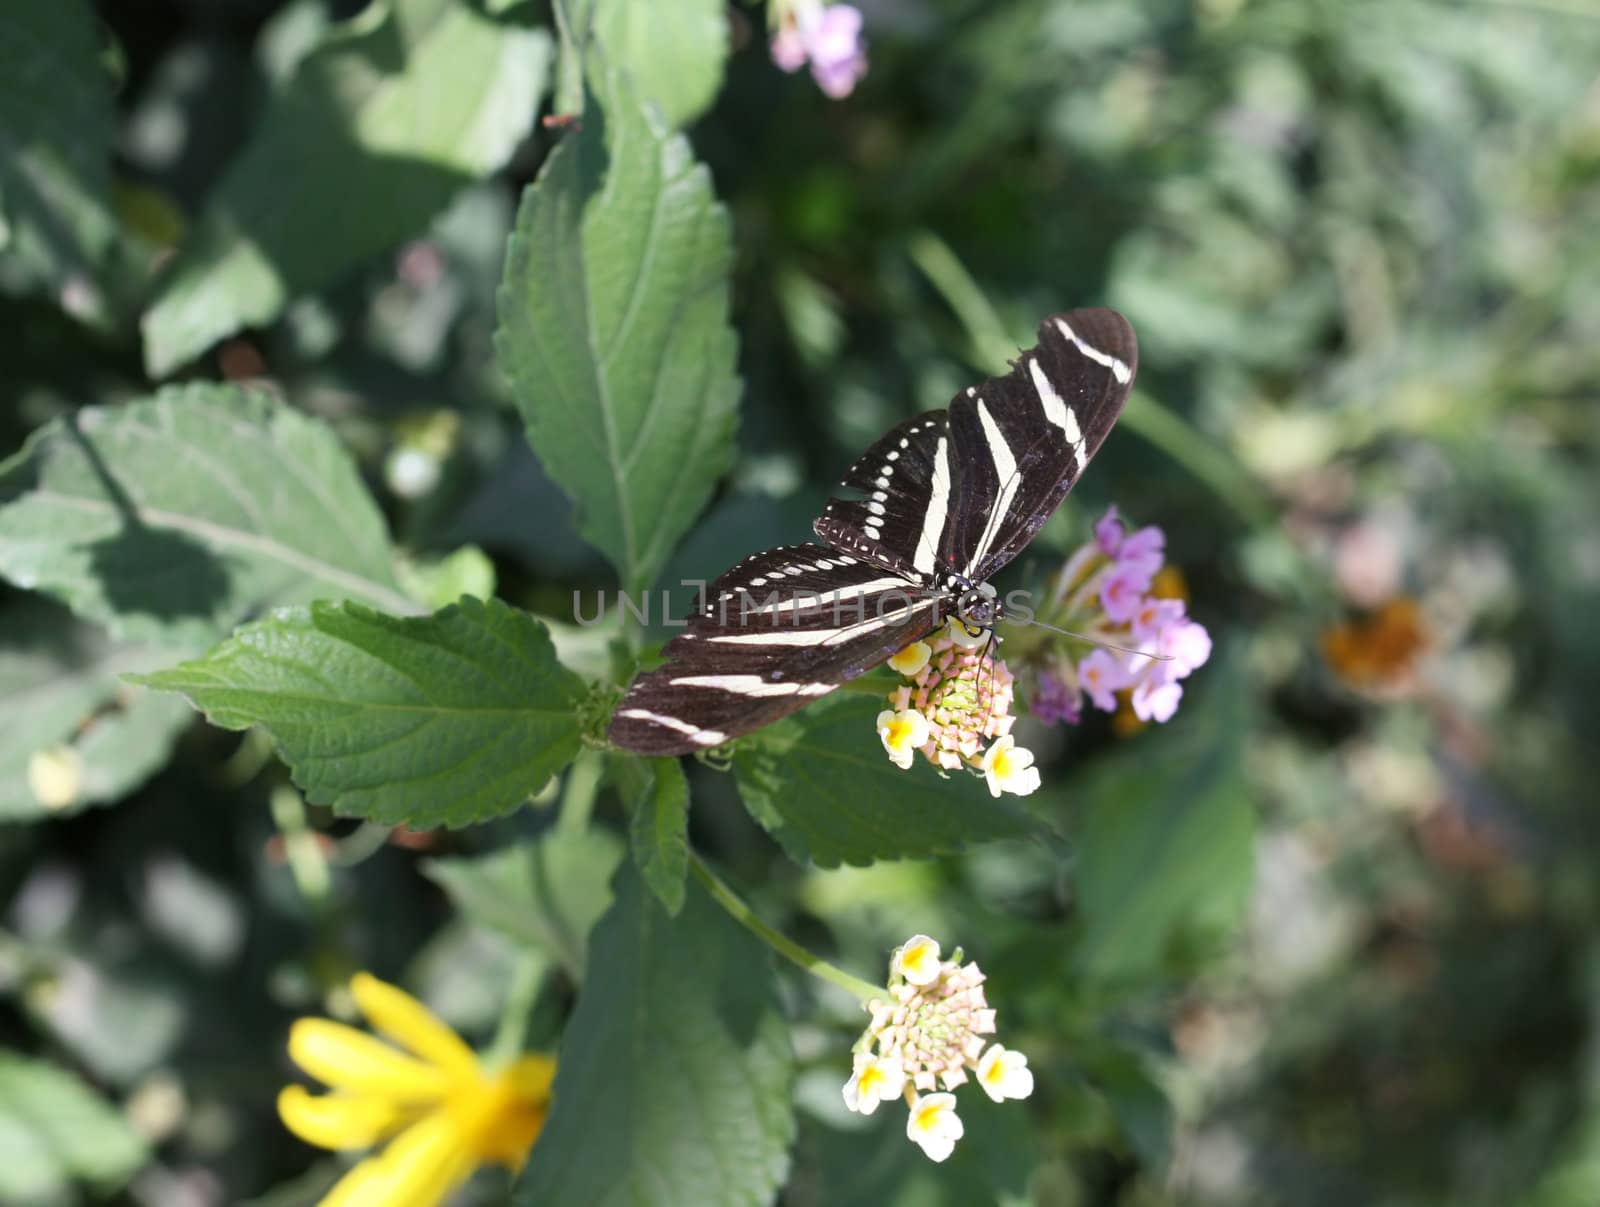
x: 1380, y: 650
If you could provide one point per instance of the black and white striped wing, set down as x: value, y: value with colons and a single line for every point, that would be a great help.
x: 778, y: 630
x: 966, y: 489
x: 1021, y: 441
x: 884, y: 513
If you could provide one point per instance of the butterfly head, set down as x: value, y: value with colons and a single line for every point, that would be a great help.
x: 978, y: 607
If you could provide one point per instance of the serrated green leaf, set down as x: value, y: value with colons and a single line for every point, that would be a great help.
x: 63, y: 705
x: 172, y: 519
x: 672, y: 53
x: 433, y: 720
x: 57, y: 121
x: 546, y: 894
x: 657, y: 794
x: 380, y: 126
x: 674, y: 1083
x: 1168, y: 843
x: 54, y: 1130
x: 614, y: 330
x: 822, y: 786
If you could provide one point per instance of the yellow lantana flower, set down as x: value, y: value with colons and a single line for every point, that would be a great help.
x: 441, y: 1112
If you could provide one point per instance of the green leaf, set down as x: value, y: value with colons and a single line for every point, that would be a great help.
x: 674, y: 1083
x: 57, y: 121
x: 379, y: 128
x: 658, y: 824
x: 614, y: 330
x: 546, y: 894
x: 63, y: 707
x: 172, y: 519
x: 821, y: 784
x: 433, y: 720
x: 55, y: 1130
x: 673, y: 54
x: 1167, y: 847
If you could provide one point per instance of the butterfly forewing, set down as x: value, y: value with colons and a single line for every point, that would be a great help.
x: 1022, y: 440
x: 774, y: 633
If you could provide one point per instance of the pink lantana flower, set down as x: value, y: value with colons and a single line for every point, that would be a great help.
x: 828, y: 37
x: 1105, y: 590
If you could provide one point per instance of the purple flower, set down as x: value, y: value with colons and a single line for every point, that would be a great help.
x: 1187, y: 643
x: 1143, y: 552
x: 1153, y: 616
x: 1108, y: 532
x: 1102, y: 676
x: 1055, y: 702
x: 789, y: 49
x: 1121, y: 594
x: 1156, y: 699
x: 829, y: 38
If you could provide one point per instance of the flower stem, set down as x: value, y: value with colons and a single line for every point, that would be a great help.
x: 511, y: 1036
x: 788, y: 949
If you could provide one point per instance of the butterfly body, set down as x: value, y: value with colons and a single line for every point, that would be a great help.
x: 924, y: 519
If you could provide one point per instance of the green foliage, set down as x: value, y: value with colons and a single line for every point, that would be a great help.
x: 438, y: 720
x: 675, y: 1076
x: 658, y: 828
x: 614, y: 332
x: 1166, y: 845
x: 62, y: 700
x: 171, y: 519
x: 820, y: 784
x: 55, y: 1131
x: 672, y: 54
x: 543, y: 895
x: 381, y: 125
x: 56, y: 130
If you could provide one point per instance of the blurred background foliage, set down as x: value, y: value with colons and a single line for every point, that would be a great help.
x: 1330, y: 936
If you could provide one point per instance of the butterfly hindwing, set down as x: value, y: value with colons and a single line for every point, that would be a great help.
x: 775, y: 632
x: 905, y: 482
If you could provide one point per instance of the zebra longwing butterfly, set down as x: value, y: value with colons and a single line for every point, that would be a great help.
x: 934, y: 509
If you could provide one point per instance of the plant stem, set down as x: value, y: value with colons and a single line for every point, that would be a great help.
x: 789, y: 950
x: 582, y: 786
x: 511, y: 1037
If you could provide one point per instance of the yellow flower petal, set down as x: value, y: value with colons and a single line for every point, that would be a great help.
x: 421, y: 1166
x: 358, y: 1188
x: 502, y: 1121
x: 412, y: 1025
x: 347, y: 1059
x: 339, y: 1121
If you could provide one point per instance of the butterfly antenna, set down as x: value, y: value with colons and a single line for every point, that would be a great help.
x: 1110, y: 645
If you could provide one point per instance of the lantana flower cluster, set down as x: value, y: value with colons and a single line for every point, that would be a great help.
x: 956, y: 711
x: 827, y: 36
x: 1107, y: 592
x: 928, y: 1038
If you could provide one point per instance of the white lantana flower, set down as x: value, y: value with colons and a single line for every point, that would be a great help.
x: 1009, y: 768
x: 1004, y: 1073
x: 902, y: 734
x: 934, y: 1125
x: 917, y: 960
x: 910, y: 661
x: 963, y: 639
x: 874, y: 1080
